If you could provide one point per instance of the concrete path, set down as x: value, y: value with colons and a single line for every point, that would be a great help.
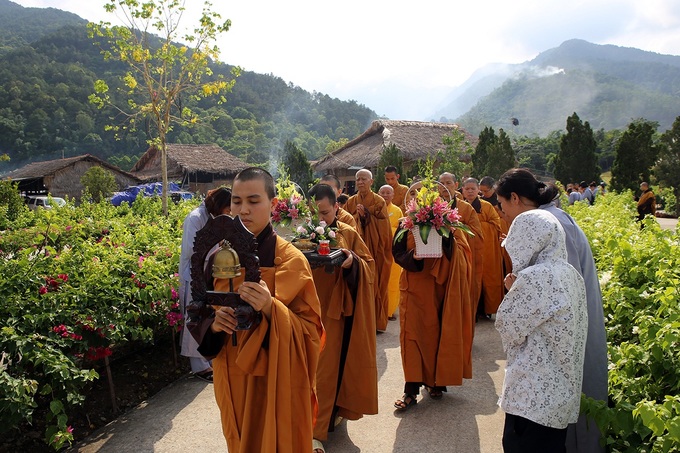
x: 667, y: 224
x: 184, y: 417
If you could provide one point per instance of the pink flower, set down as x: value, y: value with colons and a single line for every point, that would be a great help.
x: 69, y: 429
x: 407, y: 223
x: 68, y: 228
x: 331, y: 234
x: 319, y: 229
x: 293, y: 213
x: 276, y: 217
x: 140, y: 261
x: 63, y: 277
x: 43, y: 290
x: 174, y: 294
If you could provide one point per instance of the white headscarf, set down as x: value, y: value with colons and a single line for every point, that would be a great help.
x: 535, y: 236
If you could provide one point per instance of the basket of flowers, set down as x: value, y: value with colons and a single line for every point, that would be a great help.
x: 429, y: 217
x: 291, y: 210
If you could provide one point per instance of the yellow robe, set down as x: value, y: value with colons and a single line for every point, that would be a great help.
x: 376, y: 232
x: 394, y: 214
x: 347, y: 297
x: 492, y: 278
x: 265, y: 386
x: 435, y: 314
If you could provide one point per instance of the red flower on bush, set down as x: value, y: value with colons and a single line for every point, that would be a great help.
x: 97, y: 353
x: 43, y: 290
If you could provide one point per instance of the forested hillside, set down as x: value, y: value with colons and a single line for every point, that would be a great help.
x: 45, y: 112
x: 606, y: 85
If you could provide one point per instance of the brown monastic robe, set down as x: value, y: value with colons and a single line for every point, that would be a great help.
x: 345, y: 217
x: 471, y: 219
x: 435, y: 313
x: 400, y: 196
x: 492, y: 278
x: 265, y: 386
x: 349, y: 358
x: 376, y: 232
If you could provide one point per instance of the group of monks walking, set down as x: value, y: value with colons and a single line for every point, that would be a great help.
x: 311, y: 362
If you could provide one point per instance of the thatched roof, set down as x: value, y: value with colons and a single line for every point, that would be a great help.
x: 49, y: 167
x: 415, y: 140
x: 189, y: 159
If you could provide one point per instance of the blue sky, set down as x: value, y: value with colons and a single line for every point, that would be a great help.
x: 402, y: 58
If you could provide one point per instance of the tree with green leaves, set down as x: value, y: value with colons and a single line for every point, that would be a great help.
x: 98, y: 183
x: 391, y: 155
x: 635, y: 155
x: 454, y: 157
x: 501, y: 156
x: 576, y: 160
x: 297, y: 166
x: 667, y: 169
x: 480, y: 158
x: 11, y: 203
x: 162, y: 73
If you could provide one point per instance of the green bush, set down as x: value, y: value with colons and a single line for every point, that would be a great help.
x: 79, y: 283
x: 640, y: 276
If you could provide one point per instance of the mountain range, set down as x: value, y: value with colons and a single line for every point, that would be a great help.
x: 606, y: 85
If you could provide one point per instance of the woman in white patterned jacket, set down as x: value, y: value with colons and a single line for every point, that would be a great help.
x: 543, y: 322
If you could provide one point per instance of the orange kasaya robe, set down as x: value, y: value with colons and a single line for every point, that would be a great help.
x: 394, y: 214
x: 376, y: 232
x: 492, y: 278
x: 349, y: 357
x: 345, y: 217
x: 265, y: 386
x: 435, y: 313
x: 471, y: 219
x: 400, y: 197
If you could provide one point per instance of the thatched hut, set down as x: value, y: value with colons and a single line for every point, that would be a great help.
x: 196, y: 168
x: 415, y: 139
x: 61, y: 177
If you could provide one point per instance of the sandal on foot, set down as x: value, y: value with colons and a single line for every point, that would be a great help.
x: 317, y: 446
x: 405, y: 402
x: 434, y: 392
x: 205, y: 375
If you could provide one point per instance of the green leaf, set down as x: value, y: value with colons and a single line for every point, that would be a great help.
x: 424, y: 232
x: 399, y: 235
x: 56, y: 407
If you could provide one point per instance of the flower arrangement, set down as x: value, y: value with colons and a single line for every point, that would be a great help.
x: 291, y: 205
x: 427, y: 210
x: 316, y: 230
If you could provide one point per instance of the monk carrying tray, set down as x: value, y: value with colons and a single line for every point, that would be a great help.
x: 333, y: 259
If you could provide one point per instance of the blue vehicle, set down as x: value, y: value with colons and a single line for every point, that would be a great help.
x: 153, y: 189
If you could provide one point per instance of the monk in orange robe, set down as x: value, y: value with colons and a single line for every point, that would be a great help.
x: 342, y: 215
x: 265, y: 386
x: 347, y: 375
x: 370, y: 212
x: 400, y: 190
x: 435, y: 317
x: 471, y: 219
x: 488, y: 191
x: 492, y: 278
x: 394, y: 213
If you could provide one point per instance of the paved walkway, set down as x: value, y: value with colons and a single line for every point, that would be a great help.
x: 184, y: 416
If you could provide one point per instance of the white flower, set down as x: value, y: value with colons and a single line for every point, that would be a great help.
x: 636, y: 330
x: 322, y: 223
x: 319, y: 229
x: 331, y: 234
x: 301, y: 229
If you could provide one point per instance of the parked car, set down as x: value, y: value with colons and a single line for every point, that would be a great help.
x: 43, y: 201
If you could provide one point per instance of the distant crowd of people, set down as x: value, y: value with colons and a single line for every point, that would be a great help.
x: 311, y: 363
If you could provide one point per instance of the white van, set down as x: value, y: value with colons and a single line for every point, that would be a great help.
x: 35, y: 202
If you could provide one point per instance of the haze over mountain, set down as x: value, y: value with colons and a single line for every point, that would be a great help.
x: 606, y: 85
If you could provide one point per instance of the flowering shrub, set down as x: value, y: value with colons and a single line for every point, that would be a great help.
x: 640, y: 278
x: 78, y: 283
x: 291, y: 204
x: 316, y: 230
x: 427, y: 210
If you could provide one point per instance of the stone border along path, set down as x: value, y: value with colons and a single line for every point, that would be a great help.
x: 184, y: 416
